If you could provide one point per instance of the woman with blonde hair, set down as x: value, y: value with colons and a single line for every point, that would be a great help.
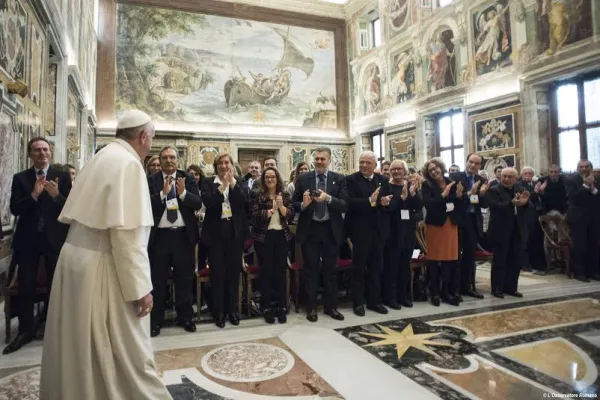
x: 444, y: 207
x: 153, y: 165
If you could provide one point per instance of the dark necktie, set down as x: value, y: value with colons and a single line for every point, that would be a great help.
x: 171, y: 214
x: 41, y: 226
x: 321, y: 208
x: 470, y: 180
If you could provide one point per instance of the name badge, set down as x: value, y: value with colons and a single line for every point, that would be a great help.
x: 474, y: 199
x: 226, y: 211
x: 404, y: 214
x: 172, y: 205
x: 449, y: 207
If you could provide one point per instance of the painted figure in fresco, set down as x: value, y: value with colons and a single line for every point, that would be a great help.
x: 400, y: 89
x: 491, y: 26
x: 398, y: 12
x: 440, y: 59
x: 373, y: 91
x: 560, y: 21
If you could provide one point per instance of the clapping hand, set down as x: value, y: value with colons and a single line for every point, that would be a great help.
x: 589, y: 180
x: 447, y: 190
x: 279, y: 200
x: 412, y: 190
x: 322, y: 196
x: 484, y: 188
x: 306, y: 199
x: 52, y: 188
x: 404, y: 194
x: 375, y: 195
x: 273, y: 209
x: 385, y: 200
x: 473, y: 190
x: 38, y: 186
x: 460, y: 189
x: 180, y: 186
x: 167, y: 186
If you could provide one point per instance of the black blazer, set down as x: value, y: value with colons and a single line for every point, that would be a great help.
x: 336, y: 189
x: 403, y: 232
x: 361, y: 218
x: 583, y: 205
x: 502, y: 215
x: 213, y: 200
x: 188, y: 207
x: 435, y: 204
x: 554, y: 196
x: 28, y: 210
x: 462, y: 178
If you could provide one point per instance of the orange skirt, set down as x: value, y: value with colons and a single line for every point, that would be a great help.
x: 442, y: 242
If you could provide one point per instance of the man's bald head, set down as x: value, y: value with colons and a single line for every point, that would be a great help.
x: 508, y: 177
x: 367, y: 163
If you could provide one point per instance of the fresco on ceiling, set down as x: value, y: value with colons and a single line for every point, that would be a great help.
x: 198, y: 68
x: 492, y: 38
x: 562, y: 22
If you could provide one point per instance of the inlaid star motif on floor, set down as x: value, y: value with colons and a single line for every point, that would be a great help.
x: 405, y: 339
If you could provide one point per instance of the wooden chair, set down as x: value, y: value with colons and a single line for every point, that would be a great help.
x: 421, y: 261
x: 12, y: 289
x: 252, y: 273
x: 203, y: 276
x: 557, y: 237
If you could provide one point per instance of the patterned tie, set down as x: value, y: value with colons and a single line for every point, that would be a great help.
x: 41, y: 226
x: 171, y: 214
x: 321, y: 208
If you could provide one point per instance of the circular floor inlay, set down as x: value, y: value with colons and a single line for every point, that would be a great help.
x: 247, y: 362
x: 24, y: 385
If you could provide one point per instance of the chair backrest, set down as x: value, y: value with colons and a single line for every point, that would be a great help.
x: 555, y: 229
x: 421, y: 236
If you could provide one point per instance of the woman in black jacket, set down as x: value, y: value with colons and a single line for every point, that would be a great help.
x: 405, y: 207
x: 271, y: 210
x: 444, y: 207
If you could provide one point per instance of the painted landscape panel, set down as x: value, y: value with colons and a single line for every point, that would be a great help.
x: 198, y: 68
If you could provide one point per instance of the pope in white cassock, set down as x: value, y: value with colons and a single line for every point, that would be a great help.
x: 97, y: 339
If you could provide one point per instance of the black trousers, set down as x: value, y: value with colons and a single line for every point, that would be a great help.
x: 272, y: 258
x: 172, y: 249
x: 28, y: 262
x: 468, y: 235
x: 535, y: 246
x: 446, y: 270
x: 584, y: 255
x: 505, y: 265
x: 225, y: 259
x: 368, y: 268
x: 396, y: 283
x: 320, y: 248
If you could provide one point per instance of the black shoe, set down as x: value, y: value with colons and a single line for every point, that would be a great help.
x: 514, y: 294
x: 269, y: 317
x: 379, y: 309
x: 187, y: 325
x: 155, y: 331
x: 393, y: 305
x: 582, y: 279
x: 312, y: 316
x: 18, y: 342
x: 498, y: 294
x: 473, y: 293
x: 282, y: 316
x: 335, y: 314
x: 220, y: 321
x: 435, y: 301
x: 595, y: 277
x: 234, y: 318
x: 451, y: 300
x: 359, y: 310
x: 526, y: 269
x: 406, y: 303
x: 459, y: 298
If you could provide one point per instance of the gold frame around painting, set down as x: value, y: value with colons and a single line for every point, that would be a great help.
x: 515, y: 111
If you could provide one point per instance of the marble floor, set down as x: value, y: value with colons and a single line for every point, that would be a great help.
x: 546, y: 344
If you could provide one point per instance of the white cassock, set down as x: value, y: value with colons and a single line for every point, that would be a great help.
x: 95, y: 347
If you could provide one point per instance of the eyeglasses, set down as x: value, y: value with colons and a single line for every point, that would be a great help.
x: 270, y: 177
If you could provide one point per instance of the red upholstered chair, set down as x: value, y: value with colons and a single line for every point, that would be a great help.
x: 12, y: 289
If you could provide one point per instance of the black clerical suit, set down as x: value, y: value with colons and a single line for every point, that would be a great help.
x: 533, y: 255
x: 368, y: 228
x: 38, y: 234
x: 470, y: 231
x: 507, y: 228
x: 404, y: 215
x: 172, y: 241
x: 583, y: 216
x: 554, y: 197
x: 225, y: 235
x: 320, y: 233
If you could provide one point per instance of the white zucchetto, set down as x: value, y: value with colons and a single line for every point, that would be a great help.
x: 133, y: 119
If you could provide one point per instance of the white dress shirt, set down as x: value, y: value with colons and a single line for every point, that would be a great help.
x: 164, y: 222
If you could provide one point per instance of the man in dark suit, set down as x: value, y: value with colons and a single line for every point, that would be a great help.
x: 508, y: 204
x: 533, y: 251
x: 583, y: 216
x: 471, y: 225
x: 38, y: 195
x: 368, y: 227
x: 497, y: 176
x: 175, y: 198
x: 320, y: 231
x: 552, y: 191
